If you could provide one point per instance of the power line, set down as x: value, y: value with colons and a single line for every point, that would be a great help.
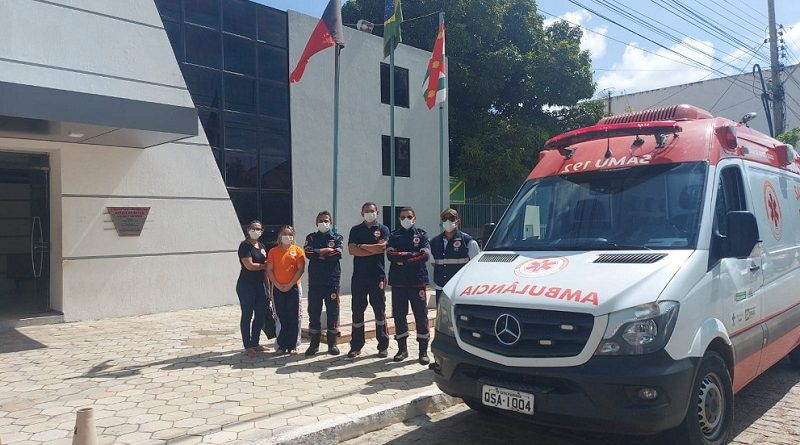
x: 731, y: 84
x: 738, y: 7
x: 757, y: 24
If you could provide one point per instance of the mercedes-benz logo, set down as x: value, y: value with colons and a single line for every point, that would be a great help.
x: 507, y: 329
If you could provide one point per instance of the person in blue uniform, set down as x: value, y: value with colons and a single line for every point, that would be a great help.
x: 323, y: 249
x: 367, y: 244
x: 450, y: 250
x: 408, y: 250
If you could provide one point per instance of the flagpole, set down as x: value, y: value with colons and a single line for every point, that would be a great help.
x: 338, y: 48
x: 391, y: 133
x: 444, y: 183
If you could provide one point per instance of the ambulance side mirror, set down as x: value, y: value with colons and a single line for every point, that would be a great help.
x: 742, y: 235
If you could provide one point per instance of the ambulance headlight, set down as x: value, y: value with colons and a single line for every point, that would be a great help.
x: 444, y: 322
x: 639, y: 330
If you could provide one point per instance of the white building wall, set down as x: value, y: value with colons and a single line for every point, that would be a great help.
x: 722, y: 97
x: 185, y: 257
x: 363, y: 121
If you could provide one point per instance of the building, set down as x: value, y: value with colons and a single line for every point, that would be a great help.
x: 731, y: 97
x: 180, y: 122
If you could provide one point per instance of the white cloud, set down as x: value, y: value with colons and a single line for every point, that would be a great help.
x: 593, y: 40
x: 792, y: 39
x: 639, y: 70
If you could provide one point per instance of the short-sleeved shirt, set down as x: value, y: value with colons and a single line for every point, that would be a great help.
x: 372, y: 266
x: 259, y: 255
x: 324, y: 270
x: 285, y: 262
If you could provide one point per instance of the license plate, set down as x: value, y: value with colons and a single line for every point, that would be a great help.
x: 507, y: 399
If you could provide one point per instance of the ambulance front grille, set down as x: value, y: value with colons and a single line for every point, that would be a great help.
x: 628, y: 258
x: 497, y: 258
x: 542, y: 333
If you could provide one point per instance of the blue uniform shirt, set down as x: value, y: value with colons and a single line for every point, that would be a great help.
x: 408, y: 252
x: 368, y: 266
x: 324, y: 270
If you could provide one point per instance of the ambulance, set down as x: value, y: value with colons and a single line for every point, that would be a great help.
x: 646, y: 271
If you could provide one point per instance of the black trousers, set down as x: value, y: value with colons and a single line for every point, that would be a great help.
x: 287, y: 308
x: 317, y: 295
x: 418, y: 299
x: 369, y: 291
x: 253, y: 301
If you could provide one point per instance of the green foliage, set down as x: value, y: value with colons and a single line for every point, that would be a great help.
x: 791, y: 137
x: 506, y: 70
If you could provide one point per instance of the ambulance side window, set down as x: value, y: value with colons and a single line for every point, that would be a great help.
x: 730, y: 197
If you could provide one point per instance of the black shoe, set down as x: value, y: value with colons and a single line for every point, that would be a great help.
x: 333, y: 350
x: 353, y: 354
x: 311, y: 351
x: 383, y: 353
x: 423, y: 353
x: 400, y: 356
x: 313, y: 348
x: 424, y: 360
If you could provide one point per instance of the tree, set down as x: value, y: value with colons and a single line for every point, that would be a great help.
x: 791, y: 137
x: 509, y: 81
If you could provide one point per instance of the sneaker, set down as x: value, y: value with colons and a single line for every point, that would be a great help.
x: 353, y: 353
x: 383, y: 353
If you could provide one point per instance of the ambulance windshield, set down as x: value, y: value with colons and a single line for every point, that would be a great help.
x: 645, y: 207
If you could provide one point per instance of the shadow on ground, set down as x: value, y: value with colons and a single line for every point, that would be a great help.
x: 15, y: 341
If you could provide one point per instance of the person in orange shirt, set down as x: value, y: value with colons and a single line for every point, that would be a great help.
x: 286, y: 263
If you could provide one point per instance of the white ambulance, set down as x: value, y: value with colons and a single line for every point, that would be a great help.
x: 646, y: 271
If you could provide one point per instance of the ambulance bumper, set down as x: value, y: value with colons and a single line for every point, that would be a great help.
x: 600, y: 395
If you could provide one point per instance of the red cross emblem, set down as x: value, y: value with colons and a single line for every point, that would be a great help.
x: 538, y: 267
x: 773, y: 208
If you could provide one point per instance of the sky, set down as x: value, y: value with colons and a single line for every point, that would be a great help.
x: 681, y: 51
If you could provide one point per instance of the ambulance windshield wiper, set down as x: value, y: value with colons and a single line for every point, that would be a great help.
x: 614, y: 245
x: 596, y: 244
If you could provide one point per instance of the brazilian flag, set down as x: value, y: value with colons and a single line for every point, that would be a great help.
x: 392, y: 19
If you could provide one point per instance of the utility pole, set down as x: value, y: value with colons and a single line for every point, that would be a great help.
x: 777, y: 86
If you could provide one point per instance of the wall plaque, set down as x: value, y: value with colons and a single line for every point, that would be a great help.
x: 128, y: 221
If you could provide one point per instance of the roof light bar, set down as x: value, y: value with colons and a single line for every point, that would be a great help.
x: 611, y: 130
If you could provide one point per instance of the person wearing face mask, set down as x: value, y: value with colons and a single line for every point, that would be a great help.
x: 250, y: 288
x: 367, y: 244
x: 323, y: 249
x: 286, y: 263
x: 450, y: 250
x: 408, y: 251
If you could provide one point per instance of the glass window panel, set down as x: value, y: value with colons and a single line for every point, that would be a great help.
x: 218, y: 157
x: 202, y: 12
x: 246, y: 205
x: 274, y: 99
x: 175, y: 39
x: 273, y: 63
x: 274, y: 137
x: 241, y: 132
x: 272, y: 26
x: 211, y: 124
x: 402, y: 156
x: 276, y: 208
x: 400, y: 85
x: 240, y: 93
x: 239, y: 17
x: 240, y: 55
x: 276, y: 172
x: 204, y: 85
x: 202, y: 46
x: 241, y: 169
x: 169, y: 9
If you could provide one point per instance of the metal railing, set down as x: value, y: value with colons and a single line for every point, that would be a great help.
x: 480, y: 211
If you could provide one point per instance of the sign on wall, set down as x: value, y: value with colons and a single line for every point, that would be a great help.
x: 129, y: 221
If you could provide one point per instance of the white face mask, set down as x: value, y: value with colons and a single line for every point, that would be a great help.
x: 255, y: 234
x: 407, y: 223
x: 324, y: 227
x: 449, y: 226
x: 370, y: 217
x: 287, y: 239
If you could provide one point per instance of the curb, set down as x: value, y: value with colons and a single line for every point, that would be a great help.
x: 354, y: 425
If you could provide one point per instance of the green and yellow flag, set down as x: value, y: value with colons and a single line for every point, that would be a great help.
x: 392, y: 19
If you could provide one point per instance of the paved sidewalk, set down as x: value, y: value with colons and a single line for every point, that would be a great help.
x: 181, y: 378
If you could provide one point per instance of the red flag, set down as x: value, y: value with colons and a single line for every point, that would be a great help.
x: 327, y: 33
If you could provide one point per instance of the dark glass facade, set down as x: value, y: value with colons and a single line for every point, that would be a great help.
x: 234, y: 58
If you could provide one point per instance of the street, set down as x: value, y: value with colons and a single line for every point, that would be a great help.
x: 766, y: 414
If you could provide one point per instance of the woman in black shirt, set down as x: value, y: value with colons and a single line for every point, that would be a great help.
x: 251, y: 289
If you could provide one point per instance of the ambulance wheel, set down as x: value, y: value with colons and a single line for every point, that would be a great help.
x: 709, y: 418
x: 479, y: 407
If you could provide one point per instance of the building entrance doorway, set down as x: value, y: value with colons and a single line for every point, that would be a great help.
x: 24, y: 235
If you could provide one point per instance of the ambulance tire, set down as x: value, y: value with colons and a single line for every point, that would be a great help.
x: 479, y: 407
x: 709, y: 419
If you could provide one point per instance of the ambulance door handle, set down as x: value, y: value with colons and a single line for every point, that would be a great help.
x: 754, y: 267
